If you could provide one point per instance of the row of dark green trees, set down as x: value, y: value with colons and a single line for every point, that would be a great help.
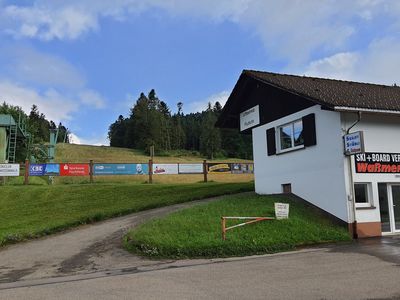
x: 37, y: 126
x: 151, y: 123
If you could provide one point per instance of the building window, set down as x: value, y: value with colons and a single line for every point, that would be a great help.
x: 362, y: 194
x: 291, y: 136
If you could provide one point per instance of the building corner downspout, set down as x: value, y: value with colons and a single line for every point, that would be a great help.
x: 352, y: 192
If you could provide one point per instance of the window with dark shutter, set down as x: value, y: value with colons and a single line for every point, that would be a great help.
x: 271, y: 144
x: 309, y: 133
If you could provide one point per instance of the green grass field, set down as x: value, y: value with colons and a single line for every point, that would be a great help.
x: 196, y: 232
x: 35, y: 210
x: 84, y: 153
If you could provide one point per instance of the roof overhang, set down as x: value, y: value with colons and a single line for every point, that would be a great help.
x: 250, y: 91
x: 367, y: 110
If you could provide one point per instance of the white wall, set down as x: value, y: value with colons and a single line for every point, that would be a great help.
x: 316, y: 173
x: 381, y: 134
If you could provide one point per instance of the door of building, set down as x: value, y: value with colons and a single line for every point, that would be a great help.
x: 394, y: 207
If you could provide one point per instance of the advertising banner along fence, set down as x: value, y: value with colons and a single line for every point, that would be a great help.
x: 99, y: 169
x: 242, y: 168
x: 9, y: 170
x: 190, y: 168
x: 120, y: 169
x: 44, y: 169
x: 74, y: 169
x: 165, y: 169
x: 219, y: 168
x: 375, y: 162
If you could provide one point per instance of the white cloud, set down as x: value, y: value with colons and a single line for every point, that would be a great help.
x: 95, y: 141
x: 291, y: 29
x: 294, y: 30
x: 92, y: 98
x: 58, y: 88
x: 47, y: 23
x: 28, y: 65
x: 379, y: 63
x: 54, y: 105
x: 201, y: 105
x: 339, y: 65
x: 74, y: 139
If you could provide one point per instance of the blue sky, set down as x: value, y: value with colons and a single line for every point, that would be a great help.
x: 85, y: 62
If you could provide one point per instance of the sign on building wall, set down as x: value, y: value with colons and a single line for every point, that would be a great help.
x: 120, y: 169
x: 242, y: 168
x: 250, y: 118
x: 9, y: 169
x: 190, y: 168
x: 161, y: 169
x: 219, y: 168
x: 376, y: 162
x: 74, y: 169
x: 281, y: 211
x: 44, y: 169
x: 353, y: 143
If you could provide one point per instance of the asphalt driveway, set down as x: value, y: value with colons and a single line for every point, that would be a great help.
x: 89, y: 263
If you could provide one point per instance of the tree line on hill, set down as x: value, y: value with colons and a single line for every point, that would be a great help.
x: 38, y: 126
x: 151, y: 123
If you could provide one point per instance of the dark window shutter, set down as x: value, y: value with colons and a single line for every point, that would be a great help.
x: 271, y: 145
x: 309, y: 133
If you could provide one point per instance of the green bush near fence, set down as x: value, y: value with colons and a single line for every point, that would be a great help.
x: 35, y: 210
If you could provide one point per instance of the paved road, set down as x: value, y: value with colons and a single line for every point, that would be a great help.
x: 89, y: 263
x: 87, y: 249
x: 327, y: 273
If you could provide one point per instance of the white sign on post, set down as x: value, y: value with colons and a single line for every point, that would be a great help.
x: 249, y: 118
x: 281, y: 211
x: 9, y: 170
x: 353, y: 143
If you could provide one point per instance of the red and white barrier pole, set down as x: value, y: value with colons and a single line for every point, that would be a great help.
x: 253, y: 220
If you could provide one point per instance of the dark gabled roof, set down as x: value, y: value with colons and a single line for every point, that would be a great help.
x: 334, y: 93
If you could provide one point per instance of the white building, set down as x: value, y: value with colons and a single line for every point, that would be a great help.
x: 298, y: 124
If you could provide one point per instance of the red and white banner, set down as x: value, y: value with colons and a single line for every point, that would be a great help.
x: 74, y: 169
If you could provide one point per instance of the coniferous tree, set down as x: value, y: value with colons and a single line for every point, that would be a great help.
x: 210, y: 138
x: 151, y: 123
x: 116, y: 132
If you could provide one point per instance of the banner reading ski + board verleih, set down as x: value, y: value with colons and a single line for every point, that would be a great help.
x: 376, y: 162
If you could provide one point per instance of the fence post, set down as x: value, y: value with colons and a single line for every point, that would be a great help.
x: 150, y: 171
x: 205, y: 170
x: 223, y: 223
x: 91, y: 170
x: 26, y: 175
